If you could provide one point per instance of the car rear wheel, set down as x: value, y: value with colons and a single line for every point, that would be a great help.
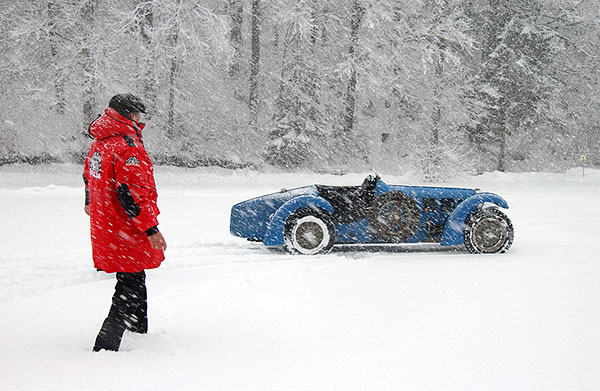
x: 488, y: 231
x: 309, y: 233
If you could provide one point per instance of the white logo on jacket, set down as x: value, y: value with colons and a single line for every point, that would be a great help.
x: 96, y: 165
x: 132, y: 161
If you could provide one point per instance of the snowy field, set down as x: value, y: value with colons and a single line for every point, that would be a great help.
x: 226, y: 314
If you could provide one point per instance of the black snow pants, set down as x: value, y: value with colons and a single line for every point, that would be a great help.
x: 128, y: 311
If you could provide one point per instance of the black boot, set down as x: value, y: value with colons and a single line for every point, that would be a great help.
x: 138, y: 321
x: 110, y: 335
x: 128, y: 311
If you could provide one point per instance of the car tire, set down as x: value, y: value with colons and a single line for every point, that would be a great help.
x: 488, y: 231
x: 394, y: 217
x: 309, y: 233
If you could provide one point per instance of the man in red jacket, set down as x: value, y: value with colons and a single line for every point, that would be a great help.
x: 121, y: 202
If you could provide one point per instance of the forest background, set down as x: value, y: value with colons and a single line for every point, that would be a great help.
x: 437, y: 87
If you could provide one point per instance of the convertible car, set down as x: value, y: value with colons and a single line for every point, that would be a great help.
x: 312, y: 219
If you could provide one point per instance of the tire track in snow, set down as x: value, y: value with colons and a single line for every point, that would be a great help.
x: 35, y: 273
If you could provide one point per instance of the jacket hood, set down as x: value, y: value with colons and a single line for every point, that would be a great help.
x: 112, y: 124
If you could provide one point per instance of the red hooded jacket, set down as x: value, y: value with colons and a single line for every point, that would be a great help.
x: 121, y: 194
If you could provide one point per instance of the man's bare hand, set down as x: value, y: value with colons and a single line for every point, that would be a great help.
x: 157, y: 241
x: 86, y: 209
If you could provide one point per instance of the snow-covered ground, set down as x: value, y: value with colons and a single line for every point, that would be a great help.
x: 226, y: 314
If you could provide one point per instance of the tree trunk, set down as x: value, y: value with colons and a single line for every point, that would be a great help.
x: 502, y: 133
x: 436, y: 115
x: 88, y: 62
x: 236, y: 11
x: 171, y: 105
x: 145, y: 20
x: 54, y: 12
x: 502, y: 153
x: 254, y: 63
x: 355, y: 21
x: 434, y: 158
x: 173, y: 73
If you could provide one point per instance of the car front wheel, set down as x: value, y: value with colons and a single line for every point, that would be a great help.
x: 488, y: 231
x: 309, y: 233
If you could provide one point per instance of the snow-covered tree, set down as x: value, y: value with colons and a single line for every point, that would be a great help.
x: 572, y: 127
x: 423, y: 85
x: 414, y: 86
x: 446, y: 46
x: 297, y: 123
x: 513, y: 82
x: 87, y: 57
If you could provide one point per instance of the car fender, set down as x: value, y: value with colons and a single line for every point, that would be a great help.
x: 381, y: 187
x: 453, y: 230
x: 274, y: 234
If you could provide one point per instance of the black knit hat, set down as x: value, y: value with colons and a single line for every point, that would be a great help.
x: 125, y: 104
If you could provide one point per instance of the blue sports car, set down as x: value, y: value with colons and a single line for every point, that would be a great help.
x: 312, y: 219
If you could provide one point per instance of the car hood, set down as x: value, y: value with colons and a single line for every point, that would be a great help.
x: 249, y: 219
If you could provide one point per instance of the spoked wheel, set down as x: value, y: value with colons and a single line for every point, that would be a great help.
x: 309, y: 233
x: 394, y: 217
x: 488, y: 231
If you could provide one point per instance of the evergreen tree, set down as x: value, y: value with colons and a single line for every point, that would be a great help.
x: 446, y: 45
x: 513, y: 83
x: 297, y: 122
